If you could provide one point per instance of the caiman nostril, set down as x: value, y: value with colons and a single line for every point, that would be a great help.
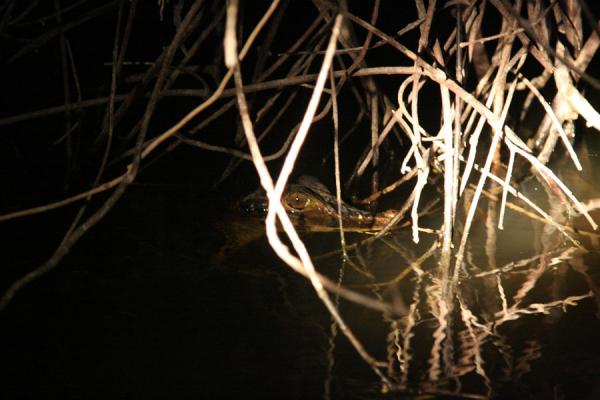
x: 254, y: 204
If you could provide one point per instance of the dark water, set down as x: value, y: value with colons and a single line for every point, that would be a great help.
x: 143, y: 309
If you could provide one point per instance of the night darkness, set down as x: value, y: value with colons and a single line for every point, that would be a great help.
x: 161, y: 288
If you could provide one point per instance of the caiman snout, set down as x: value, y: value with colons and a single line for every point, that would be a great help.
x: 255, y: 204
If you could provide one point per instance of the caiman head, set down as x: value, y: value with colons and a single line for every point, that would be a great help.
x: 312, y: 208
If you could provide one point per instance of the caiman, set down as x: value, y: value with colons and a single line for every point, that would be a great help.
x: 311, y: 208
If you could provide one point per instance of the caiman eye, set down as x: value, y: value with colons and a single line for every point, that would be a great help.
x: 297, y: 201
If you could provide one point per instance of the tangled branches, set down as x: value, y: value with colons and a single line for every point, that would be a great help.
x: 477, y: 94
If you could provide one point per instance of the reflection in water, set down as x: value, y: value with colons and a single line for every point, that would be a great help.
x: 525, y: 320
x: 506, y: 337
